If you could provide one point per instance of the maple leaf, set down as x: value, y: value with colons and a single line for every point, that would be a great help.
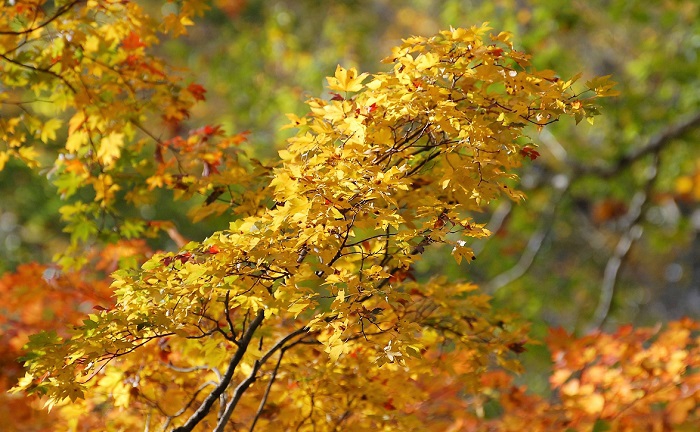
x: 110, y: 148
x: 346, y: 80
x: 197, y: 91
x: 132, y: 42
x: 48, y: 130
x: 529, y: 152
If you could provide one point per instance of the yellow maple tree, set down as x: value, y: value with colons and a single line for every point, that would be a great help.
x: 304, y: 314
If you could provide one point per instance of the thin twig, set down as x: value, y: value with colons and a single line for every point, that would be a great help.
x: 267, y: 390
x: 60, y: 11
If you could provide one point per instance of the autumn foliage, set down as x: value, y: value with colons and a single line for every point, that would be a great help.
x: 305, y: 314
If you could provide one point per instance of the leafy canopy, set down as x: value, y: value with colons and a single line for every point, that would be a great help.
x: 310, y: 291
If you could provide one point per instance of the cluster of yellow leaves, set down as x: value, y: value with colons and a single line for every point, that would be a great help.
x: 383, y: 170
x: 80, y: 74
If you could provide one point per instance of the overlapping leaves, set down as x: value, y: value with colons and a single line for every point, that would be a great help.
x: 383, y: 170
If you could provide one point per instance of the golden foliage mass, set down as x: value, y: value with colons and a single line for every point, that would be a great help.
x: 304, y: 313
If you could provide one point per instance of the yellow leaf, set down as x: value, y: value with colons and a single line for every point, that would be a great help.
x: 92, y: 43
x: 76, y: 140
x: 4, y: 157
x: 295, y: 121
x: 336, y: 213
x: 426, y: 61
x: 48, y: 130
x: 298, y: 308
x: 23, y: 383
x: 346, y: 80
x: 593, y: 403
x: 76, y: 121
x: 340, y: 298
x: 110, y: 148
x: 29, y: 155
x: 684, y: 185
x: 335, y: 351
x: 105, y: 189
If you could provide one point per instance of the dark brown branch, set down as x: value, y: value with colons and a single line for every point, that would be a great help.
x: 209, y: 401
x: 267, y: 390
x: 252, y: 377
x: 36, y: 69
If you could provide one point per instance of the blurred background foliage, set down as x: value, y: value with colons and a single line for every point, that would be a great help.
x: 610, y: 232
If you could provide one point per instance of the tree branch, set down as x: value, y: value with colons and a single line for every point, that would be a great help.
x: 533, y: 245
x: 205, y: 407
x: 652, y: 146
x: 37, y: 69
x: 243, y: 386
x: 60, y: 11
x: 633, y: 231
x: 267, y: 390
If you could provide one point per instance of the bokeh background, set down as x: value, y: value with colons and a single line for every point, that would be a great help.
x: 610, y: 231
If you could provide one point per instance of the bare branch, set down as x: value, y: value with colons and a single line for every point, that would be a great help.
x: 633, y: 231
x: 652, y: 146
x: 267, y: 390
x: 243, y: 386
x: 205, y: 407
x: 610, y: 275
x: 533, y: 245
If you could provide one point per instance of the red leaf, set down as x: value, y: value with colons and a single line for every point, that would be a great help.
x: 197, y: 91
x: 132, y: 60
x: 337, y: 97
x: 184, y: 257
x: 496, y: 52
x: 517, y: 347
x: 132, y: 42
x: 211, y: 130
x: 389, y: 405
x: 529, y: 152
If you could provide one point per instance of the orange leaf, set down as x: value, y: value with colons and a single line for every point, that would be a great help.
x: 197, y: 91
x: 132, y: 42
